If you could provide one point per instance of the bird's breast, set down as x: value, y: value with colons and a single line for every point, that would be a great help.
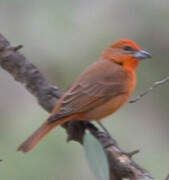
x: 106, y: 109
x: 123, y: 93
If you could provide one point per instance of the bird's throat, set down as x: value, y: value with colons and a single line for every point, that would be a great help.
x: 130, y: 64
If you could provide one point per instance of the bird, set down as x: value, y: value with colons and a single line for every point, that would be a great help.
x: 98, y: 92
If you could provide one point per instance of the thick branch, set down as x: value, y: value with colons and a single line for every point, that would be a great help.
x: 27, y: 74
x: 121, y: 164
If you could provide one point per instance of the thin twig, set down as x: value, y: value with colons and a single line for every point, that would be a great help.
x: 155, y: 84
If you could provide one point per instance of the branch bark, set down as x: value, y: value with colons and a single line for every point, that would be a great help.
x: 121, y: 164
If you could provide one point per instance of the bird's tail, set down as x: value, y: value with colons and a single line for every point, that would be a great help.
x: 29, y: 144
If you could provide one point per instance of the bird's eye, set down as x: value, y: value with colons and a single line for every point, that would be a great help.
x: 128, y: 48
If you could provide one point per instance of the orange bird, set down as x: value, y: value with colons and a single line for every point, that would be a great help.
x: 98, y: 92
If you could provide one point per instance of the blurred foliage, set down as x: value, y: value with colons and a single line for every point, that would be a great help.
x: 97, y: 159
x: 63, y: 37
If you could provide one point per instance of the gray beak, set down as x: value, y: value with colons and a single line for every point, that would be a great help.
x: 142, y: 54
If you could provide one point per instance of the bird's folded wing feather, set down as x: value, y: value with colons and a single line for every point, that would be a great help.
x: 88, y: 93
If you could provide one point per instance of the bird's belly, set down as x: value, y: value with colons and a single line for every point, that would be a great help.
x: 106, y: 109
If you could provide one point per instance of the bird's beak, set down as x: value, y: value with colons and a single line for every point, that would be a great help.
x: 142, y: 54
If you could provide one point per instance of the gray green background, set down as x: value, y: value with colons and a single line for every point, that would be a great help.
x: 62, y: 37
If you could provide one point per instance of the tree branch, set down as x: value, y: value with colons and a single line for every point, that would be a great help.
x: 150, y: 89
x: 120, y: 163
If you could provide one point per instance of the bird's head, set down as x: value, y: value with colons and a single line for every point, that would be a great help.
x: 125, y: 53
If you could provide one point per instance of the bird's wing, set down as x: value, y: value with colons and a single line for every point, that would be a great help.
x: 91, y: 90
